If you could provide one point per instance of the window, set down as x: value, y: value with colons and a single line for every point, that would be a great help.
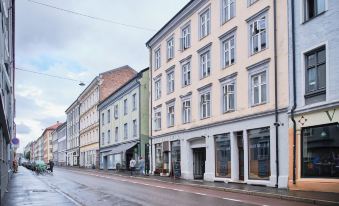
x: 125, y: 107
x: 103, y: 138
x: 102, y: 118
x: 125, y: 131
x: 135, y: 131
x: 116, y: 111
x: 259, y: 153
x: 258, y: 37
x: 186, y: 111
x: 313, y: 8
x: 315, y: 63
x: 186, y: 74
x: 186, y: 38
x: 108, y: 136
x: 250, y: 2
x: 116, y: 134
x: 157, y: 119
x: 228, y: 51
x: 157, y: 57
x: 134, y: 99
x: 320, y: 151
x: 228, y: 97
x: 222, y: 155
x: 205, y: 64
x: 170, y: 115
x: 170, y: 82
x: 157, y: 88
x: 205, y: 105
x: 228, y: 10
x: 170, y: 49
x: 259, y: 88
x: 205, y: 23
x: 108, y: 116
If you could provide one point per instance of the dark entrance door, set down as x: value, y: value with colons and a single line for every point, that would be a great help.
x: 199, y: 158
x: 241, y: 155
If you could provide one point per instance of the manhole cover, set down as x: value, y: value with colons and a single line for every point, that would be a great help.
x: 39, y: 190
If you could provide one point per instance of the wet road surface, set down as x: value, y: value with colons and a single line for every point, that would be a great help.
x: 91, y: 188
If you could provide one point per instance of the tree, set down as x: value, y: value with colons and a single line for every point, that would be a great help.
x: 28, y: 155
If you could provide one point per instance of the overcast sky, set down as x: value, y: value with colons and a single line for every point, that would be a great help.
x: 59, y: 43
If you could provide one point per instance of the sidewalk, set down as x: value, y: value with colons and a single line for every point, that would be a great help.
x: 317, y: 198
x: 25, y: 188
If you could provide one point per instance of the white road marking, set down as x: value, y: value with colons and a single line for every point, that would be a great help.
x: 179, y: 190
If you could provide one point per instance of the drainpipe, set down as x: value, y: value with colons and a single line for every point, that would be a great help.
x: 151, y: 110
x: 294, y: 93
x: 276, y: 114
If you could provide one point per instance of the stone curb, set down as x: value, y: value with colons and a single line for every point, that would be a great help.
x: 253, y: 193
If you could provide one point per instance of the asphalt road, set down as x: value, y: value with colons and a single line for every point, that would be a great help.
x: 91, y: 189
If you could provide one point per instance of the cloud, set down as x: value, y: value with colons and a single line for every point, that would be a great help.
x: 23, y: 129
x: 63, y: 44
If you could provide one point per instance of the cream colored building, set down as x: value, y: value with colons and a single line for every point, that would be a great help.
x: 101, y: 87
x: 219, y: 79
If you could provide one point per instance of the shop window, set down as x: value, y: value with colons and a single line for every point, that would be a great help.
x: 158, y: 156
x: 176, y: 157
x: 320, y: 151
x: 259, y: 153
x: 222, y: 155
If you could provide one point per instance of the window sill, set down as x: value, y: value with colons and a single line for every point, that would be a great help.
x: 229, y: 111
x: 228, y: 66
x: 170, y: 59
x: 226, y: 21
x: 183, y: 86
x: 185, y: 49
x: 203, y: 37
x: 252, y: 54
x: 201, y: 78
x: 315, y: 93
x: 205, y: 118
x: 258, y: 104
x: 170, y: 126
x: 306, y: 21
x: 170, y: 92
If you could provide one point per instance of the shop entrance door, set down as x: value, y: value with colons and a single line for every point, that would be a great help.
x: 199, y: 158
x: 241, y: 155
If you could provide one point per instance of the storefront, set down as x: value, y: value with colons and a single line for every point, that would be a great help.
x: 241, y: 152
x: 317, y: 152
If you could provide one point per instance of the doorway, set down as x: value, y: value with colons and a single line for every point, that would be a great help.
x: 199, y: 158
x: 240, y: 143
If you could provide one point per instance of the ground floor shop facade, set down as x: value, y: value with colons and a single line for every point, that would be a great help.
x: 118, y: 156
x: 73, y: 157
x: 315, y: 165
x: 89, y: 156
x: 243, y: 150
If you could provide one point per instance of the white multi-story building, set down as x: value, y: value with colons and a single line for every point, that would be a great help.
x: 55, y: 146
x: 73, y: 134
x: 62, y: 144
x: 220, y: 92
x: 101, y: 86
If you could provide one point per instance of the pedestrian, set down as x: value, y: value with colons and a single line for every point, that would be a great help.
x: 132, y: 163
x: 51, y: 165
x: 15, y: 166
x: 142, y: 166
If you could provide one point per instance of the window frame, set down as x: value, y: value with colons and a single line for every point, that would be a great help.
x: 234, y: 92
x: 157, y: 88
x: 170, y: 116
x: 108, y: 116
x: 156, y: 118
x: 170, y: 48
x: 205, y: 20
x: 116, y: 133
x: 186, y: 110
x: 125, y: 106
x: 116, y: 111
x: 135, y: 128
x: 125, y: 131
x: 206, y: 65
x: 208, y: 104
x: 134, y: 101
x: 257, y: 69
x: 157, y: 58
x: 185, y: 39
x: 228, y: 40
x: 187, y: 73
x: 304, y: 7
x: 227, y: 4
x: 170, y: 82
x: 251, y: 31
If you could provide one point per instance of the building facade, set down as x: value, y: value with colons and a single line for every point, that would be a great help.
x: 55, y: 146
x: 219, y: 89
x: 72, y: 134
x: 39, y: 149
x: 62, y: 144
x: 101, y: 86
x: 47, y: 145
x: 124, y: 124
x: 314, y: 99
x: 7, y: 86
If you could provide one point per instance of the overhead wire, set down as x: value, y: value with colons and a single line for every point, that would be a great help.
x: 92, y: 17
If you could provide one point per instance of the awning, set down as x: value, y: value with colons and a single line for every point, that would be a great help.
x: 119, y: 148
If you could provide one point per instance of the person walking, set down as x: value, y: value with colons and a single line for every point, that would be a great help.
x: 132, y: 163
x: 142, y: 166
x: 51, y: 165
